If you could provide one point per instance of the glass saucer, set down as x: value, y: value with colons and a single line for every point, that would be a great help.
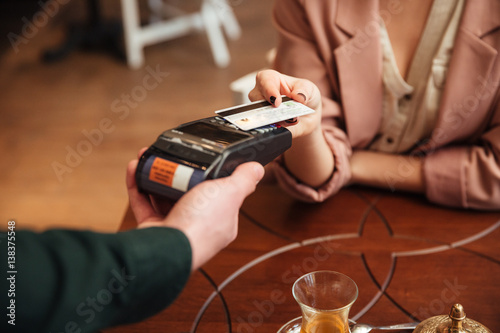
x: 293, y: 326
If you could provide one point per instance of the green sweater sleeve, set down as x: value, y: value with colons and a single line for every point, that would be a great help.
x: 80, y: 281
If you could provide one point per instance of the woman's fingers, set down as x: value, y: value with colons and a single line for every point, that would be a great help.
x: 271, y: 85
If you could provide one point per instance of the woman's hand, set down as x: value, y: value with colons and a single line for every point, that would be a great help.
x: 310, y: 159
x: 271, y: 85
x: 207, y: 214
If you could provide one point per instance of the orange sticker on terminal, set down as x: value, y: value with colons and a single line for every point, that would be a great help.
x: 163, y: 171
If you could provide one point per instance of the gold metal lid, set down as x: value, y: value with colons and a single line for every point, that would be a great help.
x: 455, y: 322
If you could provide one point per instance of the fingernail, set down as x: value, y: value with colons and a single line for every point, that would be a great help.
x: 291, y: 121
x: 272, y: 99
x: 303, y: 96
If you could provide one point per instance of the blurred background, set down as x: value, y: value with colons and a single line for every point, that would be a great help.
x: 69, y: 127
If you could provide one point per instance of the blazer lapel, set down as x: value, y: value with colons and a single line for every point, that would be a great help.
x: 359, y: 64
x: 470, y: 83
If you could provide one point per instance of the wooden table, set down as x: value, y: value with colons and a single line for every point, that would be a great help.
x: 410, y: 259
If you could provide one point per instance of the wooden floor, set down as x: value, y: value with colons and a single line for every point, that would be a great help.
x: 67, y: 131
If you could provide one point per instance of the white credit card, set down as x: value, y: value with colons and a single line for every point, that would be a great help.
x: 261, y: 113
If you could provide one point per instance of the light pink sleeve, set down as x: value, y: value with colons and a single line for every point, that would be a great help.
x: 467, y: 176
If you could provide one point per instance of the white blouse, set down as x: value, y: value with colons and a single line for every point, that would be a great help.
x: 410, y: 107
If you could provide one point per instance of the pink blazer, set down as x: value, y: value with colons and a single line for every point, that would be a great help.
x: 335, y: 44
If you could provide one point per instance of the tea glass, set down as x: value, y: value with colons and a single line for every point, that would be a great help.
x: 325, y: 298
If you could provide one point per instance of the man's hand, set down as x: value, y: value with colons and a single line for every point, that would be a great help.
x: 207, y: 214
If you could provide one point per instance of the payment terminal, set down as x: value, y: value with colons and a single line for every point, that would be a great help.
x: 208, y: 148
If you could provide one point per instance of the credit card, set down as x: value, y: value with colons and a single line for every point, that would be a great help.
x: 261, y: 113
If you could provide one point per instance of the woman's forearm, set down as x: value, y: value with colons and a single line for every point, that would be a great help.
x: 310, y: 159
x: 394, y: 172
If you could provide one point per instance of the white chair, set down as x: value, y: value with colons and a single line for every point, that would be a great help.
x: 213, y: 17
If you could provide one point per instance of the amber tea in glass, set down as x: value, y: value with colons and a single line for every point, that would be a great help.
x: 325, y: 298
